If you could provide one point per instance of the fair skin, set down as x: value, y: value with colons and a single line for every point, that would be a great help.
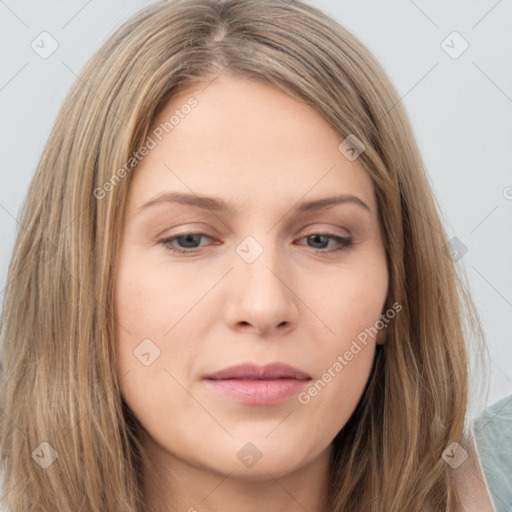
x: 473, y: 490
x: 264, y: 153
x: 261, y: 151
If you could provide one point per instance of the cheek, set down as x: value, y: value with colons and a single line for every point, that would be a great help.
x: 143, y: 355
x: 350, y: 301
x: 141, y: 321
x: 140, y: 302
x: 156, y: 335
x: 152, y: 298
x: 331, y: 399
x: 343, y: 364
x: 349, y: 304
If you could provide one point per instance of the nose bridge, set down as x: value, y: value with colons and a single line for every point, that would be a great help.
x: 262, y: 296
x: 258, y: 267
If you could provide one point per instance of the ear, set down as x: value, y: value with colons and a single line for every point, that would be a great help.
x: 381, y: 337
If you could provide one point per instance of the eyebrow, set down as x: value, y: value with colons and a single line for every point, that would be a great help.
x: 219, y: 205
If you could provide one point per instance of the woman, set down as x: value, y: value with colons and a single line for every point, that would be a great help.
x: 252, y: 371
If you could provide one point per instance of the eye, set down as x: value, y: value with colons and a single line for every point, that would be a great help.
x: 189, y: 242
x: 341, y: 243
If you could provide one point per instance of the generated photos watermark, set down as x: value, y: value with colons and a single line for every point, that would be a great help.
x: 152, y: 141
x: 343, y: 360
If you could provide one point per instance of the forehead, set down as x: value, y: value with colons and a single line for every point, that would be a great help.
x: 246, y: 138
x: 251, y: 114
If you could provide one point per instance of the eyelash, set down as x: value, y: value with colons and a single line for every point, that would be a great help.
x: 344, y: 243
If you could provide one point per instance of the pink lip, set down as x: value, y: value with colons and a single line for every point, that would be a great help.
x: 259, y: 385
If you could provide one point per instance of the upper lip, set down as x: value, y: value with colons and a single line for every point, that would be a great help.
x: 251, y: 371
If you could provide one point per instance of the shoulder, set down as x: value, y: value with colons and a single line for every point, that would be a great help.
x: 470, y: 480
x: 471, y: 483
x: 493, y: 434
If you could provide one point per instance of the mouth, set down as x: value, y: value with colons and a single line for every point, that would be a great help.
x: 259, y: 385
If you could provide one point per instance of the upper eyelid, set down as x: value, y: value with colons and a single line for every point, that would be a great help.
x: 307, y: 228
x: 333, y: 218
x: 202, y: 233
x: 197, y: 233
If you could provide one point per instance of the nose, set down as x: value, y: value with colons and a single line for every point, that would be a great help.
x: 262, y: 298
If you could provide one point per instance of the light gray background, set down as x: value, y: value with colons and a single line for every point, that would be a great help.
x: 461, y: 111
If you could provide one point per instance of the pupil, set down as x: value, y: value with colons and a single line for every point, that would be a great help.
x: 189, y: 239
x: 316, y: 237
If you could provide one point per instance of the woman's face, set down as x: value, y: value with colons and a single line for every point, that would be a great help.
x: 258, y: 274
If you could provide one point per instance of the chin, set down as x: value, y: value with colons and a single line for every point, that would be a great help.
x: 262, y: 459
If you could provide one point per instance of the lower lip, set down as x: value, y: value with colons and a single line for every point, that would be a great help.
x: 258, y: 392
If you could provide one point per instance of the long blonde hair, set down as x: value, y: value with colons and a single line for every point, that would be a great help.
x: 59, y: 384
